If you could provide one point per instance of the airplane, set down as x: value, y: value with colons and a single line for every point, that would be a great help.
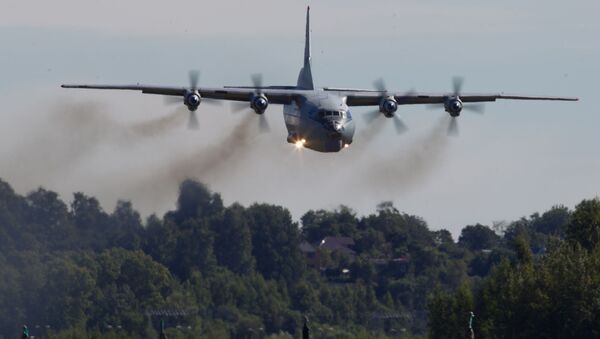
x: 319, y: 118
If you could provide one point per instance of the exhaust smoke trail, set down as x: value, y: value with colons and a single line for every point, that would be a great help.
x: 415, y: 163
x: 369, y: 132
x: 81, y: 147
x: 57, y: 143
x: 210, y: 163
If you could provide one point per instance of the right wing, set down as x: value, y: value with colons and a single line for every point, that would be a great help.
x: 275, y: 94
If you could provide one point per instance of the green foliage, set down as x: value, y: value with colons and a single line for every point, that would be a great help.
x: 238, y: 272
x: 554, y: 297
x: 478, y: 237
x: 233, y: 241
x: 523, y: 250
x: 449, y: 314
x: 553, y: 222
x: 275, y: 242
x: 584, y: 227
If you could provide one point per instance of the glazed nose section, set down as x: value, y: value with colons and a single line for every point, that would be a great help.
x: 335, y: 127
x: 338, y: 127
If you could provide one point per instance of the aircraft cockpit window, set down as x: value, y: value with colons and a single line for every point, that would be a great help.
x: 324, y: 114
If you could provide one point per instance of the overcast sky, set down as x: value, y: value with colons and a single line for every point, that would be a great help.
x: 518, y: 158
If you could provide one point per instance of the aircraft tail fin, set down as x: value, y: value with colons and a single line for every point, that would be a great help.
x: 305, y: 80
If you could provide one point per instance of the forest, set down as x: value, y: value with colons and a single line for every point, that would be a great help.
x: 74, y: 270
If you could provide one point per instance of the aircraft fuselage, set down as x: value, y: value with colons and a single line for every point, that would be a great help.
x: 319, y: 120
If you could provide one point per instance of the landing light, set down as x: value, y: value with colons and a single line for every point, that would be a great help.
x: 346, y: 145
x: 300, y: 143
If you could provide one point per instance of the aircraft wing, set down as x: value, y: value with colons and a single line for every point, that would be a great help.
x: 373, y: 98
x: 276, y: 95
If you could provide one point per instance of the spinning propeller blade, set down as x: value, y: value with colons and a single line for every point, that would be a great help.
x: 370, y: 117
x: 452, y: 127
x: 239, y: 106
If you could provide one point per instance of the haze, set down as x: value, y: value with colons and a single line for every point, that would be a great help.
x: 520, y: 157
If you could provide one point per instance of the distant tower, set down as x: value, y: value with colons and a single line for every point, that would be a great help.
x: 305, y: 329
x: 25, y: 334
x: 162, y: 335
x: 471, y: 317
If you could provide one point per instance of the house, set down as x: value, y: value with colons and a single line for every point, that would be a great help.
x: 338, y: 244
x: 312, y: 254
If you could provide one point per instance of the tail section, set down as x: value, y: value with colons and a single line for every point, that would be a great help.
x: 305, y: 80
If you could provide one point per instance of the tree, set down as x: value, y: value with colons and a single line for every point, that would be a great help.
x: 48, y: 218
x: 233, y: 241
x: 552, y: 222
x: 440, y: 309
x: 195, y: 201
x: 275, y: 242
x: 129, y: 284
x: 126, y: 226
x: 478, y: 237
x: 90, y: 221
x: 584, y: 226
x: 317, y: 225
x: 12, y: 218
x: 443, y: 237
x: 160, y: 239
x: 67, y: 294
x: 238, y: 272
x: 524, y: 255
x: 194, y: 249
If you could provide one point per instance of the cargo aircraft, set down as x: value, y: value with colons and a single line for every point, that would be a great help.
x: 320, y: 118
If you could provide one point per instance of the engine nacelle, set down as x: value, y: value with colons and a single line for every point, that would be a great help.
x: 388, y: 106
x: 453, y: 106
x: 259, y: 103
x: 192, y: 100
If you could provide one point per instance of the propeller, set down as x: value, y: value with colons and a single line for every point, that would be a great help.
x: 400, y: 125
x: 452, y: 127
x: 370, y: 117
x: 239, y: 106
x: 257, y: 79
x: 263, y: 124
x: 457, y: 85
x: 379, y: 85
x: 474, y: 108
x: 194, y: 78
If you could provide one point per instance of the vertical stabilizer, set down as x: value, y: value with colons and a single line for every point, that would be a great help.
x: 305, y: 80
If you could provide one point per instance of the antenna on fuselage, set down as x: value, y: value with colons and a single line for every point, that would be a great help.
x: 305, y: 80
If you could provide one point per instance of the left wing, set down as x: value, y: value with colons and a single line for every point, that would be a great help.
x: 358, y: 97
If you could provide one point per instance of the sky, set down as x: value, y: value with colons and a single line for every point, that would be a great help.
x: 516, y: 159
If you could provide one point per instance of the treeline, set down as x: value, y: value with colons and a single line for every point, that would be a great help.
x: 548, y: 288
x: 215, y: 271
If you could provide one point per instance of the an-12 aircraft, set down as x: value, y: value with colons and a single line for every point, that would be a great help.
x: 320, y: 118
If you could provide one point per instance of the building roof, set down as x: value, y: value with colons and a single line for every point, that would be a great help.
x: 307, y: 248
x: 337, y: 244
